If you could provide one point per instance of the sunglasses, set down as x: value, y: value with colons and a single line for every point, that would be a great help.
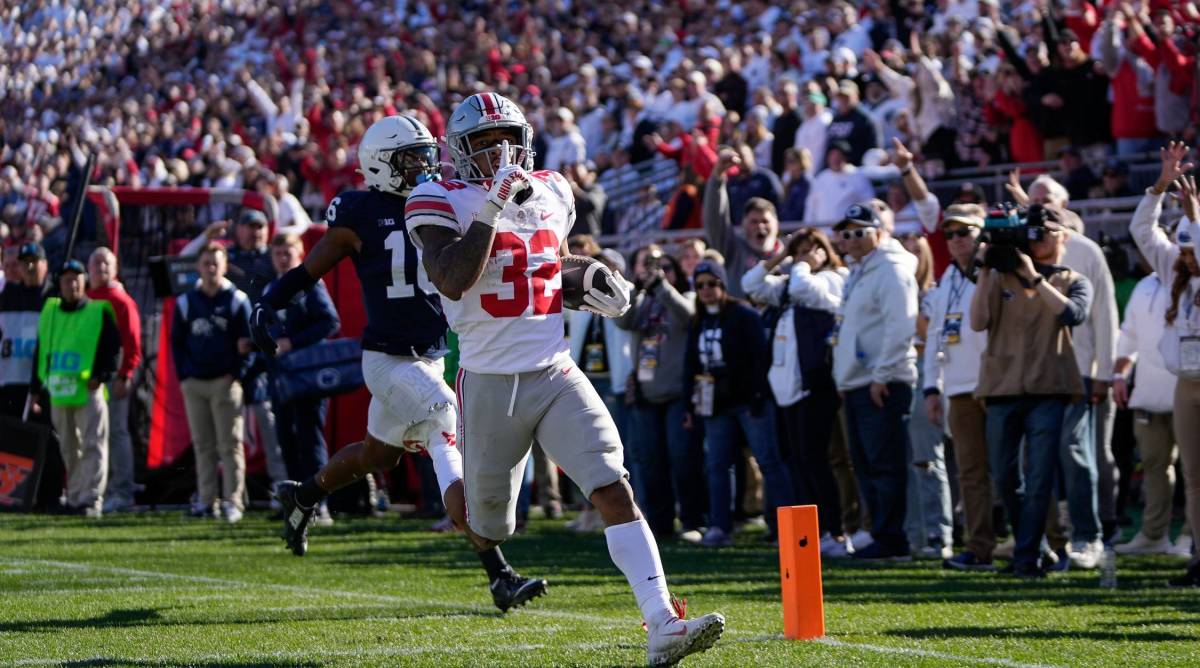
x: 960, y: 232
x: 861, y: 232
x: 700, y: 285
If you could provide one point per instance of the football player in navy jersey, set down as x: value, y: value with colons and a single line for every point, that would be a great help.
x: 411, y: 408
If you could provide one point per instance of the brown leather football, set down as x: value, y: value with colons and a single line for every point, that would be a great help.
x: 579, y: 273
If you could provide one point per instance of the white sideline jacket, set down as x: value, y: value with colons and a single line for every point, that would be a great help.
x: 878, y: 320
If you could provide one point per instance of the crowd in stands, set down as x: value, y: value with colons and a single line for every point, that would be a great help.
x: 800, y: 111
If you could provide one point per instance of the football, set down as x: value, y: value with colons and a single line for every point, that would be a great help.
x: 580, y: 273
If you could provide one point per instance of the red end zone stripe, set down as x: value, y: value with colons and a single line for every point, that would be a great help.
x: 427, y: 205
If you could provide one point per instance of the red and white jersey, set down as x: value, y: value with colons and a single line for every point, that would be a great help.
x: 511, y: 320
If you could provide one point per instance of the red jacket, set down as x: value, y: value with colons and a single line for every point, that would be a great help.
x: 1024, y: 140
x: 129, y: 322
x: 1132, y: 114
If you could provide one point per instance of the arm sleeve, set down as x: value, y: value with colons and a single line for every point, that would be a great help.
x: 980, y: 302
x: 1110, y: 48
x: 763, y: 287
x: 822, y: 290
x: 629, y: 320
x: 897, y: 84
x: 108, y: 350
x: 193, y: 247
x: 1145, y: 49
x: 322, y: 319
x: 1105, y: 321
x: 1014, y: 58
x: 933, y: 334
x: 1127, y: 340
x: 427, y: 206
x: 266, y: 106
x: 716, y: 213
x: 899, y: 304
x: 679, y: 305
x: 1150, y: 239
x: 1079, y: 303
x: 929, y: 210
x: 131, y: 341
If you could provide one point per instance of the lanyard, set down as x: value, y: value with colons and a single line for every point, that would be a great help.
x: 957, y: 287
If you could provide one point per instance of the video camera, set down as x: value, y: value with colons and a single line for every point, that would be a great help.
x: 1004, y: 231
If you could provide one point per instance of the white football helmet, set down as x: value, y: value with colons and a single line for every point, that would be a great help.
x: 485, y: 111
x: 396, y: 154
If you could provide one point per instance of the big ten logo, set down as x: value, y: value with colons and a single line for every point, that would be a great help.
x: 64, y: 362
x: 18, y: 348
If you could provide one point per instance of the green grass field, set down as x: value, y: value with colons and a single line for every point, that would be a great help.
x: 158, y: 590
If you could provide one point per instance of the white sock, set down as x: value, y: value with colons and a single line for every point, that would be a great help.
x: 634, y: 551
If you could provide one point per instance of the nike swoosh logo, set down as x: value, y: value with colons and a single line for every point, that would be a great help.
x: 653, y: 577
x: 546, y: 215
x: 680, y: 632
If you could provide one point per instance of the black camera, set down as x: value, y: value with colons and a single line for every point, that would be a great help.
x: 1005, y: 233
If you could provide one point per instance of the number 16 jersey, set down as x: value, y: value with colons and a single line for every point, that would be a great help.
x: 404, y: 311
x: 511, y: 320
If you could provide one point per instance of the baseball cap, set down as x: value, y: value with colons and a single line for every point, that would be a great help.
x: 252, y: 217
x: 1045, y: 216
x: 72, y: 266
x: 710, y: 267
x: 971, y: 215
x: 860, y: 214
x: 847, y: 87
x: 1116, y: 168
x: 1186, y: 234
x: 32, y: 248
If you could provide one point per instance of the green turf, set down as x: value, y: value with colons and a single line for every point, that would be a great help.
x: 158, y: 590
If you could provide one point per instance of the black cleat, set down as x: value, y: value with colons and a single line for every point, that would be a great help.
x: 510, y: 590
x: 295, y: 517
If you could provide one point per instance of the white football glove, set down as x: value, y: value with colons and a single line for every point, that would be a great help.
x: 609, y: 306
x: 506, y: 183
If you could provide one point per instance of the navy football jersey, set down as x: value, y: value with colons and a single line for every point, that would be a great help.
x: 404, y: 311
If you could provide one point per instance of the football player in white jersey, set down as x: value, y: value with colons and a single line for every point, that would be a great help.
x: 492, y: 244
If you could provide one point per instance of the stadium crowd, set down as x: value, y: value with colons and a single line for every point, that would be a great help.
x: 720, y: 374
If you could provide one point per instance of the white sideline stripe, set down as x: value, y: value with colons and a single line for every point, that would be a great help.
x: 930, y: 654
x: 602, y: 621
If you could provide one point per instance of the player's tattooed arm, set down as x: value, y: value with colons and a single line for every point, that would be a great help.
x: 454, y: 263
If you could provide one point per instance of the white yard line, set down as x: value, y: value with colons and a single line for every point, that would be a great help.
x: 406, y: 651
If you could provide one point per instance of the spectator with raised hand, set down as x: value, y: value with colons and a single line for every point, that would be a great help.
x: 725, y: 377
x: 758, y: 235
x: 874, y: 369
x: 666, y: 463
x: 804, y: 300
x: 1175, y: 262
x: 928, y: 97
x: 1133, y: 118
x: 103, y: 285
x: 1028, y: 373
x: 836, y: 188
x: 1151, y: 399
x: 1174, y: 68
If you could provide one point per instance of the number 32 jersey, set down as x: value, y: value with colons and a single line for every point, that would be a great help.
x: 511, y: 320
x: 404, y: 311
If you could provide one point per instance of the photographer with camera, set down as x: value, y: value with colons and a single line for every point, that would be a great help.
x: 1027, y: 303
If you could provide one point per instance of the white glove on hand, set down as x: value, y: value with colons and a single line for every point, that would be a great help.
x: 506, y: 183
x: 609, y: 306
